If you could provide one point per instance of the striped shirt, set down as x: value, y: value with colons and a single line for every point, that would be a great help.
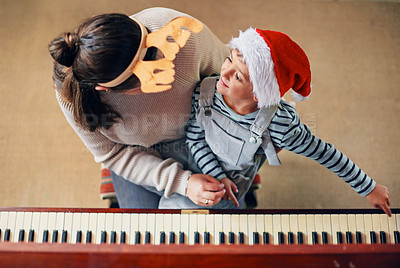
x: 286, y: 132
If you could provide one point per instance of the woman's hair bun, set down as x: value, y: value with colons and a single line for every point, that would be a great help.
x: 63, y: 49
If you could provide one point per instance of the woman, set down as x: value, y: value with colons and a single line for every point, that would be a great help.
x: 132, y: 133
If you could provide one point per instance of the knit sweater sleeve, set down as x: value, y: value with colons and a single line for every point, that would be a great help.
x: 288, y: 133
x: 198, y: 147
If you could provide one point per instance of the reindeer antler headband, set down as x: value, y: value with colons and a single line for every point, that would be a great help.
x: 157, y: 75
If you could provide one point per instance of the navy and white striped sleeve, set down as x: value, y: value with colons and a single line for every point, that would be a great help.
x: 288, y: 133
x: 195, y: 139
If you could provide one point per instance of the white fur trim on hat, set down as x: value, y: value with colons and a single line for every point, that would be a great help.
x: 257, y: 56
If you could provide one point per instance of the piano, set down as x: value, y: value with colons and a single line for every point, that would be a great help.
x: 65, y: 237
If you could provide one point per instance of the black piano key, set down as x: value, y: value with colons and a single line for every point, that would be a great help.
x: 147, y: 237
x: 339, y: 236
x: 314, y: 237
x: 290, y: 238
x: 172, y: 237
x: 137, y: 237
x: 7, y: 235
x: 64, y: 236
x: 122, y: 239
x: 79, y: 237
x: 0, y: 233
x: 396, y: 237
x: 324, y: 238
x: 382, y: 234
x: 196, y: 237
x: 206, y: 238
x: 103, y: 237
x: 54, y: 238
x: 113, y: 237
x: 162, y: 237
x: 266, y: 237
x: 372, y: 235
x: 349, y: 238
x: 181, y: 238
x: 45, y: 236
x: 241, y: 238
x: 281, y: 238
x: 89, y: 237
x: 358, y: 237
x: 221, y: 237
x: 231, y: 238
x: 31, y: 235
x: 256, y: 238
x: 21, y: 235
x: 300, y: 238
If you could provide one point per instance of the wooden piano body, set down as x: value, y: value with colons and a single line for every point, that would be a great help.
x: 235, y: 238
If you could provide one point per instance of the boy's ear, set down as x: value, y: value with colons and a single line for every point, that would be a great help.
x: 255, y: 98
x: 101, y: 88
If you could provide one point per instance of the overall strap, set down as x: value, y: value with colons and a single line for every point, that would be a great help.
x: 207, y: 90
x: 259, y: 130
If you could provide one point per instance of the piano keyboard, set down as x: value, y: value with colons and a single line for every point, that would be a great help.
x: 156, y: 227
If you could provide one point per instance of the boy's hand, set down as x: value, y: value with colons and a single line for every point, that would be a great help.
x: 230, y: 187
x: 379, y: 198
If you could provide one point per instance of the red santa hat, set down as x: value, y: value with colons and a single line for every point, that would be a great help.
x: 276, y: 64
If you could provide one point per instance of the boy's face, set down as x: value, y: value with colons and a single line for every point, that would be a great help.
x: 235, y: 82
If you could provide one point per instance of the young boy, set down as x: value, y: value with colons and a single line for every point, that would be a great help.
x: 239, y: 119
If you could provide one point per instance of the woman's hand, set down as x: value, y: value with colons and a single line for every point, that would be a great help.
x: 379, y: 198
x: 204, y: 190
x: 230, y: 188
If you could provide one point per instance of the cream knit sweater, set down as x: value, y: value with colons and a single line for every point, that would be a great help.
x: 151, y: 118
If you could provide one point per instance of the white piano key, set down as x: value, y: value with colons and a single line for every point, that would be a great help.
x: 159, y: 227
x: 244, y: 228
x: 310, y: 227
x: 335, y: 228
x: 76, y: 227
x: 192, y: 228
x: 235, y: 225
x: 368, y: 227
x: 201, y: 226
x: 277, y: 227
x: 176, y: 226
x: 268, y: 227
x: 218, y: 228
x: 118, y: 227
x: 302, y: 219
x: 151, y: 226
x: 210, y: 228
x: 142, y: 227
x: 85, y: 222
x: 294, y: 226
x: 319, y: 226
x: 184, y: 228
x: 19, y: 225
x: 109, y: 226
x: 351, y: 220
x: 285, y: 222
x: 3, y: 224
x: 51, y: 225
x: 252, y: 228
x: 44, y: 219
x: 344, y: 226
x: 361, y: 227
x: 93, y: 226
x: 384, y: 222
x: 27, y: 224
x: 167, y: 226
x: 226, y: 226
x: 68, y: 217
x: 36, y: 226
x: 101, y: 226
x: 59, y: 225
x: 392, y: 227
x: 126, y: 227
x: 397, y: 222
x: 327, y: 227
x: 376, y: 225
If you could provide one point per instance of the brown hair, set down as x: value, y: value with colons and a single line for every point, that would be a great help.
x: 99, y: 50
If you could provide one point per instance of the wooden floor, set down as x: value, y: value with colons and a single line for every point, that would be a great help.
x: 354, y: 50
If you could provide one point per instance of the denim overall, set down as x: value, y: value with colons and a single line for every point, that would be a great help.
x: 234, y: 146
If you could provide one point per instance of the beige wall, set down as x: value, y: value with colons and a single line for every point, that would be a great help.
x: 354, y: 50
